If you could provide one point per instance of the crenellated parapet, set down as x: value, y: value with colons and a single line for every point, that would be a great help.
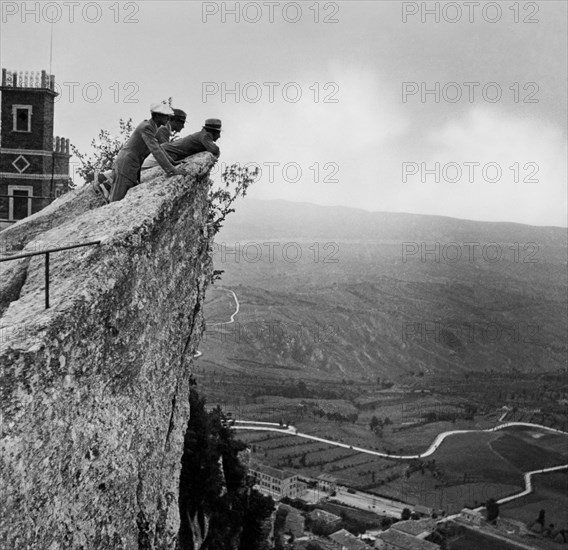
x: 61, y: 145
x: 28, y: 79
x: 34, y: 164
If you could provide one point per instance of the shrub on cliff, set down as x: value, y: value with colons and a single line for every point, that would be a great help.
x: 236, y: 181
x: 105, y: 149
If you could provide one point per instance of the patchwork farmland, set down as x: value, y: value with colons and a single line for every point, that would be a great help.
x: 466, y: 470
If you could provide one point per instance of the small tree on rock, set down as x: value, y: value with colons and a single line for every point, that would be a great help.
x: 105, y: 150
x: 236, y: 181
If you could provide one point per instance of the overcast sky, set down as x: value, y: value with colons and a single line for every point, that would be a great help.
x: 336, y: 109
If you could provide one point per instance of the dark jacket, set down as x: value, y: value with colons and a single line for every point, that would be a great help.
x: 190, y: 145
x: 164, y: 133
x: 141, y: 143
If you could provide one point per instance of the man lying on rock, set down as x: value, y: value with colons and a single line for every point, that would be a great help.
x: 172, y: 127
x: 182, y: 148
x: 142, y: 142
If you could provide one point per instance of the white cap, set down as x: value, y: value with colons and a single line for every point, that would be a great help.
x: 161, y: 108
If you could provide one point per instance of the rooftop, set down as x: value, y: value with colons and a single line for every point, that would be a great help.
x: 323, y: 515
x: 416, y: 527
x: 268, y: 470
x: 401, y: 540
x: 345, y: 538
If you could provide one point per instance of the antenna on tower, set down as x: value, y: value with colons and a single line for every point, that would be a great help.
x: 51, y: 48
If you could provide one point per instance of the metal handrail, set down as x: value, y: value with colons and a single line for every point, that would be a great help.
x: 47, y: 252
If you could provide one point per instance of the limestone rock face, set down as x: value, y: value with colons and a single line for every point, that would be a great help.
x: 94, y: 390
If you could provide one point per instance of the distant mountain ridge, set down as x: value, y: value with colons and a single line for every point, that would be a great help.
x: 277, y: 219
x: 380, y: 311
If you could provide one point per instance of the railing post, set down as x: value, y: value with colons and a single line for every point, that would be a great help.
x: 47, y: 280
x: 46, y: 252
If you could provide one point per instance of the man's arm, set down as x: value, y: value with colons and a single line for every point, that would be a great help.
x: 163, y: 134
x: 210, y: 145
x: 156, y: 149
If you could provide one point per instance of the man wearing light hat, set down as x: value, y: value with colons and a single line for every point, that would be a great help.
x: 182, y: 148
x: 174, y: 125
x: 141, y: 143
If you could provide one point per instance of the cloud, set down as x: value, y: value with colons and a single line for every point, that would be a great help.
x: 364, y: 139
x: 530, y: 153
x: 343, y: 136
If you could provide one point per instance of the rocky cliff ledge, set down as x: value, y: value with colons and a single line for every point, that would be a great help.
x: 95, y: 389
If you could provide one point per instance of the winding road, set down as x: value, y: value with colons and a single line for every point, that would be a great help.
x: 267, y: 426
x: 232, y: 319
x: 291, y: 430
x: 198, y: 354
x: 528, y: 483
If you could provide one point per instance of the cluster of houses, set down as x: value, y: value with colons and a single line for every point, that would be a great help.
x: 403, y: 535
x: 338, y: 539
x: 413, y: 534
x: 279, y: 484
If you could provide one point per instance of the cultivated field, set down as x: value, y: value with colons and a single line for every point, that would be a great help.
x: 465, y: 471
x: 550, y: 494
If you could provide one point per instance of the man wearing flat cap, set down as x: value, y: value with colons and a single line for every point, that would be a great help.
x: 182, y: 148
x: 173, y: 126
x: 141, y: 143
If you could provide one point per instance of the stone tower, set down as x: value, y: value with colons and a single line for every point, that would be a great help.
x: 32, y: 163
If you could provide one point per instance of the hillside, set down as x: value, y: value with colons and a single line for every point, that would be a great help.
x: 352, y: 330
x: 353, y: 307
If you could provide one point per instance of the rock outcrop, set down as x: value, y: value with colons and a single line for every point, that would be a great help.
x: 95, y: 388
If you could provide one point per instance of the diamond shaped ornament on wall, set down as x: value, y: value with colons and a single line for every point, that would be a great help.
x: 21, y: 164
